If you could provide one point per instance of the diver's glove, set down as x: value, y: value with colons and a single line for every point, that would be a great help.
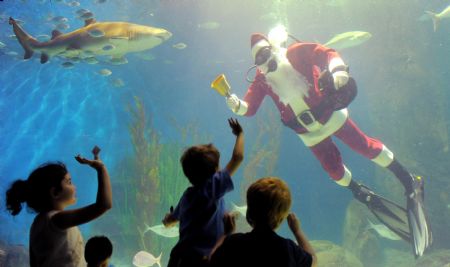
x: 339, y: 71
x: 236, y: 105
x: 340, y: 79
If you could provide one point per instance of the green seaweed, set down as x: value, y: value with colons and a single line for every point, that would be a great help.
x: 264, y: 153
x: 145, y: 185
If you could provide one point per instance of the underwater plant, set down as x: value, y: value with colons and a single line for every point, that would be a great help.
x: 264, y: 153
x: 146, y: 183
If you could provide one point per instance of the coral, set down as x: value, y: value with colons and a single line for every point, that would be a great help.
x: 330, y: 254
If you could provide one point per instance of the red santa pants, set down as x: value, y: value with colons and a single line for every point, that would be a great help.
x: 329, y: 156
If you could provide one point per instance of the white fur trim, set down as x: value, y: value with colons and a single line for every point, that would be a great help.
x: 346, y: 178
x: 243, y: 107
x: 262, y: 43
x: 384, y: 158
x: 335, y: 62
x: 323, y: 131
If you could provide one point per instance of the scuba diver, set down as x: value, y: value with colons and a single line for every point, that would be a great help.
x: 311, y: 87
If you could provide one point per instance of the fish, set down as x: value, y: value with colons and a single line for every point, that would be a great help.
x: 74, y: 59
x: 74, y: 4
x: 67, y: 65
x: 209, y: 25
x: 118, y: 61
x: 12, y: 53
x: 20, y: 22
x: 125, y: 37
x: 108, y: 47
x: 99, y: 1
x: 145, y: 259
x: 118, y: 83
x: 104, y: 72
x: 179, y: 46
x: 161, y: 230
x: 90, y: 60
x: 241, y: 209
x: 81, y: 11
x: 86, y: 15
x: 2, y: 45
x: 437, y: 17
x: 60, y: 19
x: 383, y: 231
x: 146, y: 56
x: 348, y: 39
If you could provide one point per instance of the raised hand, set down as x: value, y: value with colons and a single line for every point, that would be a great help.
x: 235, y: 126
x: 229, y: 222
x: 96, y: 163
x: 293, y: 222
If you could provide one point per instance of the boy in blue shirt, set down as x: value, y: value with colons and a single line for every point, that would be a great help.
x: 201, y: 209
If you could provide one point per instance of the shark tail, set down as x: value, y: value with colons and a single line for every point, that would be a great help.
x: 435, y: 19
x: 27, y: 41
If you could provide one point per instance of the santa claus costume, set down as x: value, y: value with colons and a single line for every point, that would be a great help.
x: 291, y: 78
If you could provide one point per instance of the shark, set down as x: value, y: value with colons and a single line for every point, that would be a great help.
x: 114, y: 39
x: 437, y: 17
x: 348, y: 39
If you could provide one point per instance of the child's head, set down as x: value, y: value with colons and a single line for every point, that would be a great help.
x: 268, y: 202
x: 48, y: 183
x: 97, y: 252
x: 200, y: 163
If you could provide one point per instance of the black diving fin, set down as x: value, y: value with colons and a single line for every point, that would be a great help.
x: 419, y: 227
x: 394, y: 216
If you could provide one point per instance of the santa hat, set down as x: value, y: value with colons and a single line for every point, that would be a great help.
x: 258, y: 41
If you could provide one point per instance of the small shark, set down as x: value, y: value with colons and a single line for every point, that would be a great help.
x: 161, y: 230
x: 437, y: 17
x: 348, y: 39
x: 116, y: 40
x: 383, y: 231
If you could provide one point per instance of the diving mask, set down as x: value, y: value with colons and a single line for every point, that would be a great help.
x: 263, y: 55
x: 265, y: 60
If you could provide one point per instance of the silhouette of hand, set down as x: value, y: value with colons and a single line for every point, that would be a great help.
x: 169, y: 220
x: 235, y: 126
x: 293, y: 222
x: 229, y: 222
x: 96, y: 163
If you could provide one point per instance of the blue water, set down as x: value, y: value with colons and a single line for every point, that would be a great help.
x: 51, y: 113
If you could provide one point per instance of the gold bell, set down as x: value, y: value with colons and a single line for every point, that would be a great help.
x: 221, y: 85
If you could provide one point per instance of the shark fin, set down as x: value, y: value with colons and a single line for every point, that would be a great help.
x: 28, y: 54
x: 89, y: 22
x: 435, y: 19
x: 44, y: 58
x: 56, y: 33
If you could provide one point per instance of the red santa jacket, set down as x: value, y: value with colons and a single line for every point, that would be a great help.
x: 309, y: 59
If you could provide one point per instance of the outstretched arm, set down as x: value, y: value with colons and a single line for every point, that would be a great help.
x: 69, y: 218
x: 238, y: 151
x: 302, y: 241
x: 252, y: 99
